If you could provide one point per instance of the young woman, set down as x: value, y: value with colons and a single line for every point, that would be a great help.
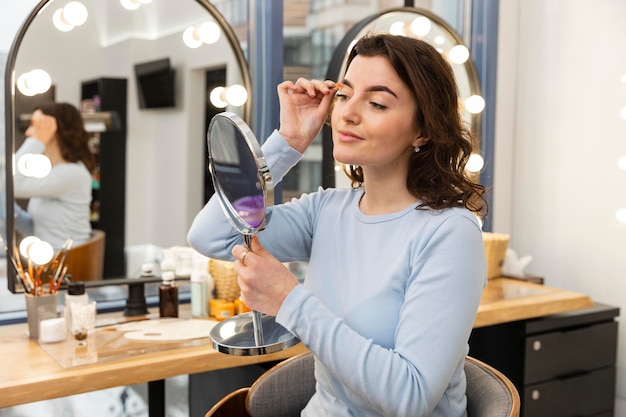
x: 59, y: 203
x: 396, y: 263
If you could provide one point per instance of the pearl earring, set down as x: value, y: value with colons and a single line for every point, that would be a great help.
x: 417, y: 149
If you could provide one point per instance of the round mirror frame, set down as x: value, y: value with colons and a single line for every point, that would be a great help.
x: 336, y: 69
x: 11, y: 118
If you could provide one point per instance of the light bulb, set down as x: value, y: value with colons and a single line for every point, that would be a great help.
x: 39, y: 80
x: 217, y: 99
x: 26, y: 243
x: 209, y: 32
x: 620, y: 215
x: 459, y: 54
x: 34, y: 165
x: 22, y: 85
x: 420, y: 26
x: 40, y: 252
x: 60, y: 23
x: 397, y: 28
x: 475, y: 163
x: 621, y: 163
x: 475, y: 104
x: 130, y: 4
x: 190, y: 38
x: 75, y: 13
x: 34, y: 82
x: 22, y: 162
x: 622, y: 113
x: 236, y: 95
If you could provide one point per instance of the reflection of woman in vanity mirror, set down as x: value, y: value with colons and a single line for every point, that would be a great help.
x: 396, y: 263
x: 59, y: 203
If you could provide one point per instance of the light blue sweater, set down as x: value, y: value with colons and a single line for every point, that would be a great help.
x: 59, y: 205
x: 388, y: 302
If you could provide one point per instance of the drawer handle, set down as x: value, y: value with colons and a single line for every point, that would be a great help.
x: 535, y: 394
x: 537, y: 345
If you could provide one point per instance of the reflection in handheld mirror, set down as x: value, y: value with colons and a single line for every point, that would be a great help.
x: 239, y: 172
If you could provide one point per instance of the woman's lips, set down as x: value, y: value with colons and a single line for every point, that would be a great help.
x: 347, y: 136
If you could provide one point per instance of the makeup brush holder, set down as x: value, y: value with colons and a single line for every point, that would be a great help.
x: 33, y: 304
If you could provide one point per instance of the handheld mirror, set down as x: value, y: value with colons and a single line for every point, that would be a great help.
x: 243, y: 184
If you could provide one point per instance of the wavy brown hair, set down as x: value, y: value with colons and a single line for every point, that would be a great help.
x: 71, y: 134
x: 437, y: 173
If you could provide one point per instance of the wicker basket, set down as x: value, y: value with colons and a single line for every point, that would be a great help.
x: 225, y: 279
x: 495, y: 250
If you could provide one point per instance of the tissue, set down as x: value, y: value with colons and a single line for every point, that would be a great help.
x: 513, y: 266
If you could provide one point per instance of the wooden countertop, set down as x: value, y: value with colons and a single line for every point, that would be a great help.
x: 506, y: 299
x: 28, y: 373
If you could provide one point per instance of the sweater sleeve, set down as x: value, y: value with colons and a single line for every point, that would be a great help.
x: 62, y: 177
x: 430, y: 343
x: 211, y: 233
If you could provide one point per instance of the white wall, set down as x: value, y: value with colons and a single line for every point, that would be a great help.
x: 11, y: 18
x: 559, y: 135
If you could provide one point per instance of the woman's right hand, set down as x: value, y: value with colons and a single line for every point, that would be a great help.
x: 43, y: 127
x: 304, y: 106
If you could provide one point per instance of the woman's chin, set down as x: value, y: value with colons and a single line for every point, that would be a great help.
x: 344, y: 158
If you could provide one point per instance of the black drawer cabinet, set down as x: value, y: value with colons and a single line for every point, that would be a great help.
x: 563, y: 365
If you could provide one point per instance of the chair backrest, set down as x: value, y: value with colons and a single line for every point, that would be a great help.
x: 232, y: 405
x: 284, y: 390
x: 489, y: 392
x: 85, y: 262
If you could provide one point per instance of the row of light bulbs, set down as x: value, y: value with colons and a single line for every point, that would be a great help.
x: 38, y: 81
x: 420, y: 27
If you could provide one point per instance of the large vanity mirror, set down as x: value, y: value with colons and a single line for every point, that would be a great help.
x: 422, y: 24
x: 160, y: 177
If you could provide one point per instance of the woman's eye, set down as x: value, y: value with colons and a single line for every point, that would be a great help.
x: 341, y: 96
x: 378, y: 106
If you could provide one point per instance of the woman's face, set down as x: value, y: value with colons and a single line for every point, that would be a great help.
x: 373, y: 116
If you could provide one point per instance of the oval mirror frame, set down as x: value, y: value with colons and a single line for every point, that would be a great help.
x: 441, y: 35
x: 228, y: 161
x: 12, y: 122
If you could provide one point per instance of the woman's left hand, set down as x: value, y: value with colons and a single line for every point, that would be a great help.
x: 264, y: 281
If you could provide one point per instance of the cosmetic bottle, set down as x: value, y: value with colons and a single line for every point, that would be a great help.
x: 168, y: 262
x: 201, y: 287
x: 76, y: 294
x: 168, y: 296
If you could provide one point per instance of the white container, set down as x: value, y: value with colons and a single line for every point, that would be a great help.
x: 76, y: 294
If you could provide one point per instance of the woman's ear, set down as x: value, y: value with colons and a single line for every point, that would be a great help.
x: 420, y: 141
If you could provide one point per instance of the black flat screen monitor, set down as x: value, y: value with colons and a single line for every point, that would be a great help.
x: 155, y: 84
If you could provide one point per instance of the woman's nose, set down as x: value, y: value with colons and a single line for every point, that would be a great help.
x: 350, y: 112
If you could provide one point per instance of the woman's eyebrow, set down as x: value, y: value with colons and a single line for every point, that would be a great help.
x: 373, y: 88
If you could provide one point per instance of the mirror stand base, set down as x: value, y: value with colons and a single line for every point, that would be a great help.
x: 236, y: 336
